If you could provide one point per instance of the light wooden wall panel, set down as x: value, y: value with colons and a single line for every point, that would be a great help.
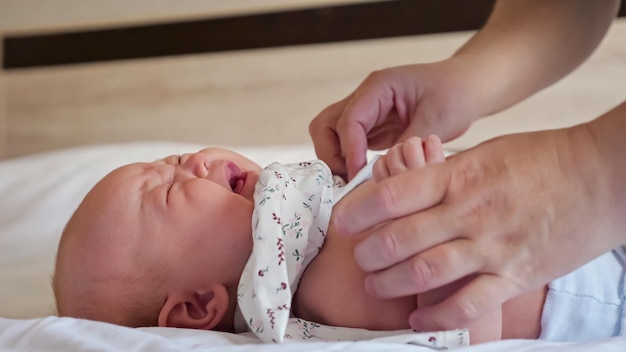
x: 267, y: 96
x: 237, y: 98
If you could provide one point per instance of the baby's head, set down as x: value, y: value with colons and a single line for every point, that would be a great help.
x: 161, y: 243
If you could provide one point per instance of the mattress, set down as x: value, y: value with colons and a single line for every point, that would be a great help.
x: 38, y: 193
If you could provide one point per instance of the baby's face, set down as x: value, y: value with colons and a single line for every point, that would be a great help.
x: 190, y: 214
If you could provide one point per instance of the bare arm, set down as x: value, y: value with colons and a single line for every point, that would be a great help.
x: 609, y: 134
x: 526, y: 45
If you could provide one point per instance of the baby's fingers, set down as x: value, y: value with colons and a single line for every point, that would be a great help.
x: 396, y: 163
x: 400, y: 158
x: 390, y: 164
x: 433, y: 150
x: 380, y: 170
x: 413, y: 153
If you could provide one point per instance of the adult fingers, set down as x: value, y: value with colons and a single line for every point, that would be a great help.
x: 353, y: 143
x: 395, y: 241
x: 370, y: 104
x: 391, y: 198
x: 433, y: 268
x: 481, y: 295
x: 322, y: 130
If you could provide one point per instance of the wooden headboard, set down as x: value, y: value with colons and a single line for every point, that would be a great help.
x: 265, y: 93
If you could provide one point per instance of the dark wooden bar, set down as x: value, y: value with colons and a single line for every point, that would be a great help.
x: 299, y: 27
x: 319, y: 25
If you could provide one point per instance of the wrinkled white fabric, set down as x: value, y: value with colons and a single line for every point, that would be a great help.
x: 292, y: 210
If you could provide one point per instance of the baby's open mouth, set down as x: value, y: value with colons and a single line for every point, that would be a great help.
x: 237, y: 178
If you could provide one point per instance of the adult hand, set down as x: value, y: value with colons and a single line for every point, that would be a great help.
x: 391, y: 105
x: 510, y: 58
x: 510, y: 215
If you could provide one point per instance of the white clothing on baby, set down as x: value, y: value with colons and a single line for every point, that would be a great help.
x: 589, y: 303
x: 291, y: 214
x: 293, y: 205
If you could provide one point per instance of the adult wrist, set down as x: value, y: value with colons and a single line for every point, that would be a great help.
x: 584, y: 161
x: 608, y: 133
x: 483, y: 88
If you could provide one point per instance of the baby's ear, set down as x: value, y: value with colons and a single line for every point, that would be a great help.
x: 202, y: 309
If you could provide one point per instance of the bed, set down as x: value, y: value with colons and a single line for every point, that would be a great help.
x: 62, y: 128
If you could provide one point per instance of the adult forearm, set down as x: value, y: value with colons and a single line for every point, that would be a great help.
x: 526, y: 45
x: 609, y: 134
x: 592, y: 160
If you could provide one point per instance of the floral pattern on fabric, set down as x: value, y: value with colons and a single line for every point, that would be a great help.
x: 292, y: 210
x: 293, y: 205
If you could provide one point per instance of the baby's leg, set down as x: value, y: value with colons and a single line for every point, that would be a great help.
x: 409, y: 155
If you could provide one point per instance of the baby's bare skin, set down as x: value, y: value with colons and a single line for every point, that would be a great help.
x: 331, y: 292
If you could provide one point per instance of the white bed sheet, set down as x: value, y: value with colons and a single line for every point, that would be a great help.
x: 38, y: 194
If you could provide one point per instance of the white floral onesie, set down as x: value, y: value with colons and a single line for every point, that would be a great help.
x: 292, y: 211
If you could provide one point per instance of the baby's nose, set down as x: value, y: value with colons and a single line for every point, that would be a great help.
x: 194, y: 163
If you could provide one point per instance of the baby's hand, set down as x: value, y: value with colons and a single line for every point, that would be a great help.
x: 409, y: 155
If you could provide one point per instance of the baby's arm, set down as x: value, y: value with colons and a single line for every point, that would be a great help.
x: 411, y: 154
